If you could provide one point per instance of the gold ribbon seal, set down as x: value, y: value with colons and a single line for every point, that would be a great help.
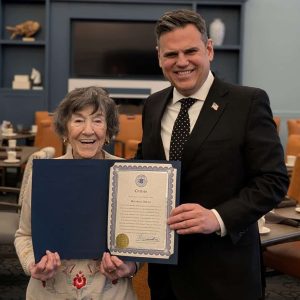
x: 122, y: 240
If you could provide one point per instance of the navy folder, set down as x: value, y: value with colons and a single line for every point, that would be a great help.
x: 69, y: 208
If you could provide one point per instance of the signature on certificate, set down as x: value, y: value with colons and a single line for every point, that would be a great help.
x: 147, y: 237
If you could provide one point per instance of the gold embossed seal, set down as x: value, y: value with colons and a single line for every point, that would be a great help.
x: 122, y: 240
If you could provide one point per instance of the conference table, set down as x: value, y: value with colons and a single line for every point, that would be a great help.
x: 23, y: 153
x: 281, y: 233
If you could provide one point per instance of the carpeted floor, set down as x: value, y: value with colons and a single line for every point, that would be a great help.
x: 282, y: 287
x: 13, y: 283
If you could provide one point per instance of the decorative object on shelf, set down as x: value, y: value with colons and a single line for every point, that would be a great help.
x: 5, y: 124
x: 217, y: 31
x: 26, y: 29
x: 36, y: 79
x: 21, y: 82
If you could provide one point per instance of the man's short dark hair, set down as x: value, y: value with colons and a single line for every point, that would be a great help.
x: 172, y: 20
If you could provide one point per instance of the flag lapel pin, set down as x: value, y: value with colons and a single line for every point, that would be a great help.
x: 215, y: 106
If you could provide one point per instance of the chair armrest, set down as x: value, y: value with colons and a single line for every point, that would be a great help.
x: 8, y: 189
x: 9, y: 205
x: 6, y: 205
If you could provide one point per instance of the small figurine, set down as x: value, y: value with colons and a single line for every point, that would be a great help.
x: 35, y: 77
x: 27, y: 29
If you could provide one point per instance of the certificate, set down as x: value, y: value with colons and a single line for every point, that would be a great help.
x: 82, y: 208
x: 141, y: 197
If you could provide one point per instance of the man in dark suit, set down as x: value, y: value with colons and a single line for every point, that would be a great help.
x: 233, y: 169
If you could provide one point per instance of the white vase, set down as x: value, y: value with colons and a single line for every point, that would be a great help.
x: 217, y: 31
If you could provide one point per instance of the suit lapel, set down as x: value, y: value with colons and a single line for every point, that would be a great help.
x: 212, y: 110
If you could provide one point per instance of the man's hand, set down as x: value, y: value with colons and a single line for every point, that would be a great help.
x: 193, y: 218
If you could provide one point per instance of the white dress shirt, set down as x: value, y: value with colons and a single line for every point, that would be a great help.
x: 171, y: 113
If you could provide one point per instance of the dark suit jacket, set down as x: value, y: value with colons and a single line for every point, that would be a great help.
x: 233, y: 162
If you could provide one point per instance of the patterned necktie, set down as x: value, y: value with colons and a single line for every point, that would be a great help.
x: 181, y: 129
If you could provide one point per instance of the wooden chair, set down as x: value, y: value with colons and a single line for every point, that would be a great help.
x: 140, y: 283
x: 46, y: 136
x: 293, y: 126
x: 285, y: 257
x: 294, y: 187
x: 293, y: 145
x: 129, y: 136
x: 277, y: 121
x: 41, y: 115
x: 10, y: 211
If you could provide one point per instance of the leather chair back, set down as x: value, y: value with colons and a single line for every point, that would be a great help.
x: 293, y: 144
x: 293, y: 126
x: 277, y: 121
x: 294, y: 187
x: 46, y: 135
x: 129, y: 136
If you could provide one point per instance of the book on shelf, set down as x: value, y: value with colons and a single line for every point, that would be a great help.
x: 21, y: 82
x: 19, y: 85
x: 21, y: 78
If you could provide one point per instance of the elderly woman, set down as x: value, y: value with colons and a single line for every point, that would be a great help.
x: 86, y: 120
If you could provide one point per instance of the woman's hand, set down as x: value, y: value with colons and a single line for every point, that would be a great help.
x: 46, y: 267
x: 114, y: 268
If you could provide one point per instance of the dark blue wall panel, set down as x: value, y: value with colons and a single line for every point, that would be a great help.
x: 60, y: 19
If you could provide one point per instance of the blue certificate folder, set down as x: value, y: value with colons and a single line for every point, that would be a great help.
x: 70, y: 206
